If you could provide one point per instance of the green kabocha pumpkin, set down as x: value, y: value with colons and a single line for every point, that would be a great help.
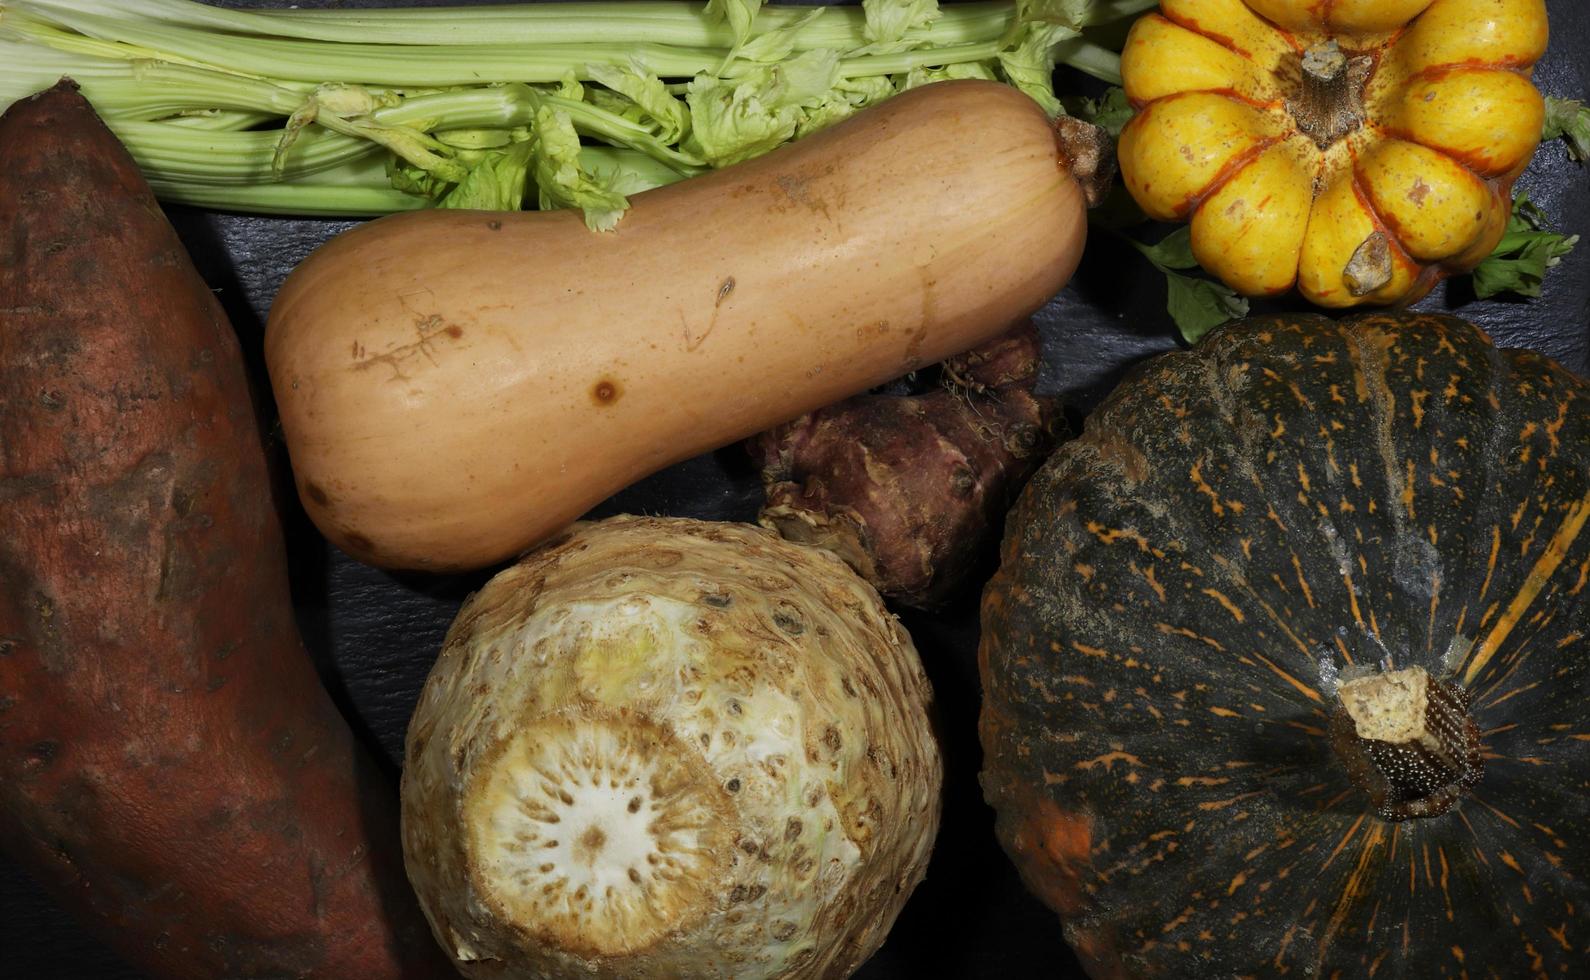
x: 1286, y: 665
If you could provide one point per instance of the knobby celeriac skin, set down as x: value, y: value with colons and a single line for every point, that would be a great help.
x: 1359, y: 150
x: 1217, y: 613
x: 669, y: 748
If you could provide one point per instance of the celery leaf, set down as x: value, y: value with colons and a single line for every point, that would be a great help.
x: 560, y: 180
x: 776, y: 45
x: 496, y: 183
x: 668, y: 116
x: 739, y: 14
x: 1029, y: 58
x: 888, y: 21
x: 849, y: 95
x: 1526, y: 252
x: 738, y: 119
x: 920, y: 76
x: 1569, y: 119
x: 730, y: 123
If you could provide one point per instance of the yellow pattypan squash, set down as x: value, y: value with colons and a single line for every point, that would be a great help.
x: 1357, y: 149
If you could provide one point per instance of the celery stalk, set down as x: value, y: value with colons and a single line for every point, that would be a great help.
x: 360, y: 111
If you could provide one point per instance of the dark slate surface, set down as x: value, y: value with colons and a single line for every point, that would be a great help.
x: 376, y: 634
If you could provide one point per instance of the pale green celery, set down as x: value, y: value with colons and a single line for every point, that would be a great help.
x: 1090, y: 59
x: 507, y: 106
x: 406, y: 66
x: 200, y: 156
x: 657, y: 21
x: 361, y: 188
x: 220, y: 121
x: 153, y: 90
x: 627, y: 171
x: 900, y: 62
x: 590, y: 120
x: 193, y: 76
x: 301, y: 198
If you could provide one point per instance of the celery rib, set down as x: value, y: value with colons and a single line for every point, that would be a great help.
x: 339, y: 111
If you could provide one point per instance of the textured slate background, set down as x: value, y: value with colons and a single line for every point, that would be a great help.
x: 375, y: 634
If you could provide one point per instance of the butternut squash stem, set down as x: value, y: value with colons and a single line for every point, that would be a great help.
x: 1408, y: 741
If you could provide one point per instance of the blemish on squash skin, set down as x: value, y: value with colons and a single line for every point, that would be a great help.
x: 606, y: 392
x: 316, y: 494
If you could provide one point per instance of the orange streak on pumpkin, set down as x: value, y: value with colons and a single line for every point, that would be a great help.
x: 1088, y: 651
x: 1109, y: 759
x: 1513, y: 693
x: 1446, y: 893
x: 1222, y: 804
x: 1504, y: 818
x: 1490, y: 564
x: 1153, y: 583
x: 1307, y: 691
x: 1407, y: 492
x: 1435, y: 602
x: 1353, y: 888
x: 1561, y: 935
x: 1226, y: 604
x: 1545, y: 566
x: 1352, y: 599
x: 1347, y: 837
x: 1308, y: 593
x: 1584, y: 577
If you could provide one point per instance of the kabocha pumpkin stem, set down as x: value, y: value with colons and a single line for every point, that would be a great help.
x: 1408, y: 741
x: 1329, y: 100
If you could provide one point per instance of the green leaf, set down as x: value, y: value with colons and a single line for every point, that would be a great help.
x: 1110, y: 111
x: 918, y: 77
x: 1200, y: 305
x: 1569, y: 119
x: 888, y: 21
x: 1073, y: 14
x: 730, y: 123
x: 666, y: 114
x: 776, y: 45
x: 1174, y: 251
x: 849, y: 95
x: 1526, y: 252
x: 496, y: 183
x: 740, y: 15
x: 560, y: 180
x: 735, y: 120
x: 1028, y: 61
x: 1196, y: 305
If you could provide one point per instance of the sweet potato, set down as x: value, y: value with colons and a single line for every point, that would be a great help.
x: 170, y: 767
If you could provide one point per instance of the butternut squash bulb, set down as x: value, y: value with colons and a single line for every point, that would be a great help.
x: 1359, y: 150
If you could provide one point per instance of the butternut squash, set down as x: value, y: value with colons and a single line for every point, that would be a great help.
x: 457, y: 386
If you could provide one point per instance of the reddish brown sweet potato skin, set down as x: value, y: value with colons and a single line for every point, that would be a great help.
x: 170, y: 767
